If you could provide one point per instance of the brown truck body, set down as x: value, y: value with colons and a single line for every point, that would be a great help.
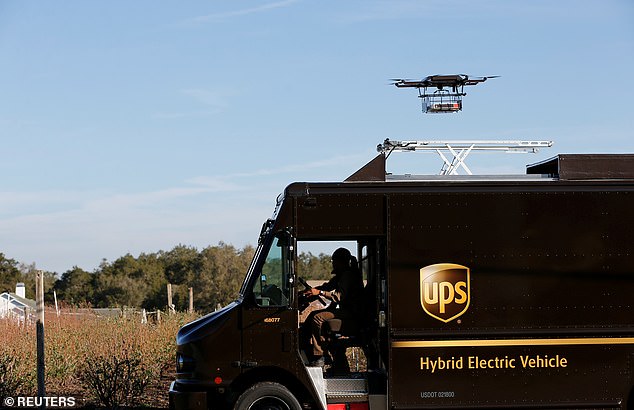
x: 487, y: 292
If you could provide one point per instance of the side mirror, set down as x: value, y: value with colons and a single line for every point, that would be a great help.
x: 283, y: 240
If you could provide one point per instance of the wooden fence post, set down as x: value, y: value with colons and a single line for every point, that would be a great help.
x: 39, y: 300
x: 170, y: 305
x: 56, y: 307
x: 191, y: 300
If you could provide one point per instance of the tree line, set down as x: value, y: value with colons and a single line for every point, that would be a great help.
x: 215, y: 273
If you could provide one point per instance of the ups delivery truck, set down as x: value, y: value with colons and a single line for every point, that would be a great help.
x: 481, y: 292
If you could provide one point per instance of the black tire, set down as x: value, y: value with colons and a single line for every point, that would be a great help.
x: 267, y: 396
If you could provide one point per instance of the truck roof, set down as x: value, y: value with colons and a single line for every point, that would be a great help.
x: 586, y: 166
x: 560, y: 167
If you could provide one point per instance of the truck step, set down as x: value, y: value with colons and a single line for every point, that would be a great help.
x: 346, y: 398
x: 351, y: 388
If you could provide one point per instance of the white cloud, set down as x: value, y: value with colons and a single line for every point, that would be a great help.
x: 216, y: 99
x: 450, y: 10
x: 182, y: 115
x: 288, y: 169
x: 213, y: 101
x: 242, y: 12
x: 80, y: 228
x: 13, y: 200
x: 57, y: 241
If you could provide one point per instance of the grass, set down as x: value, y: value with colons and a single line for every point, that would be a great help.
x: 106, y: 362
x: 101, y: 362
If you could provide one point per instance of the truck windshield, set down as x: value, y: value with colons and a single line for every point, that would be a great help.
x: 264, y: 233
x: 271, y: 287
x: 246, y: 281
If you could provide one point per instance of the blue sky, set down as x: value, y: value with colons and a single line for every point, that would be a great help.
x: 137, y: 126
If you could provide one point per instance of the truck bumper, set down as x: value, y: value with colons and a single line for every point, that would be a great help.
x: 187, y: 400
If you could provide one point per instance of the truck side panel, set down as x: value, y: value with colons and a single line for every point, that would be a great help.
x: 537, y: 283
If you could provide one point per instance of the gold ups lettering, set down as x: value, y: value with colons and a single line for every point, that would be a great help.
x: 445, y: 290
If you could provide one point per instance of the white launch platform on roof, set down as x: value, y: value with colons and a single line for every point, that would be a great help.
x: 454, y: 153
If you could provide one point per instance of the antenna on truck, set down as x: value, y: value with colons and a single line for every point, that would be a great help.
x: 459, y: 150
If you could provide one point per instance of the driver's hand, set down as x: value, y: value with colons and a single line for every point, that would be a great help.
x: 311, y: 292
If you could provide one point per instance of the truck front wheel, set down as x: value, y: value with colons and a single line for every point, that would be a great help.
x: 267, y: 396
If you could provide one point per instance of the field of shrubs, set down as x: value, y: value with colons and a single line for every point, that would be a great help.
x: 101, y: 362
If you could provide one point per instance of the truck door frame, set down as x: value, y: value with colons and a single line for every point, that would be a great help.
x: 275, y: 323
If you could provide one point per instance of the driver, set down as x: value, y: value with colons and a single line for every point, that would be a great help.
x: 345, y: 290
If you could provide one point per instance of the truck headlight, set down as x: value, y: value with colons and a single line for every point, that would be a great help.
x: 184, y: 364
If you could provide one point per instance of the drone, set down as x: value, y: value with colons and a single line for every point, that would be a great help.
x: 448, y: 93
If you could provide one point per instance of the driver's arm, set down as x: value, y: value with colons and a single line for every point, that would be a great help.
x: 325, y: 289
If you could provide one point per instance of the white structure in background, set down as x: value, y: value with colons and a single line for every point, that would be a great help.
x: 16, y: 305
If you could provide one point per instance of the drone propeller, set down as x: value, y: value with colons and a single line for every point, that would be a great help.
x: 441, y: 81
x: 487, y: 77
x: 407, y: 82
x: 469, y: 79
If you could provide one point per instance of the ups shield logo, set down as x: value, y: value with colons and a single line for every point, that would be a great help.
x: 445, y: 290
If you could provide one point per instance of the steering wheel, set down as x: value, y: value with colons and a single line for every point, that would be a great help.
x: 303, y: 282
x: 308, y: 299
